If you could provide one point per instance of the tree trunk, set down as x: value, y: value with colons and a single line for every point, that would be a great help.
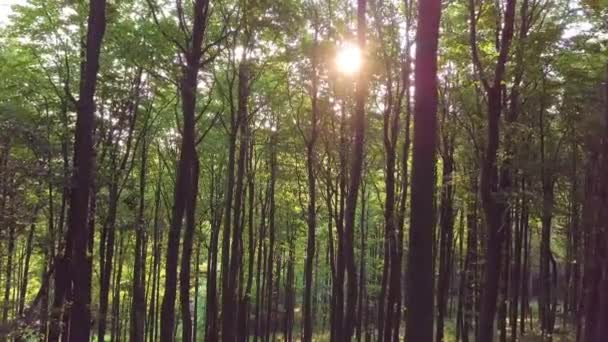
x: 246, y: 298
x: 185, y: 273
x: 186, y: 166
x: 545, y: 307
x: 419, y: 325
x: 271, y: 247
x: 26, y: 267
x: 491, y: 191
x: 446, y: 236
x: 230, y: 306
x: 78, y: 229
x: 138, y: 310
x: 356, y: 167
x: 312, y: 196
x: 211, y: 328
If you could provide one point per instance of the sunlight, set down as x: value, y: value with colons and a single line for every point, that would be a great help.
x: 348, y: 59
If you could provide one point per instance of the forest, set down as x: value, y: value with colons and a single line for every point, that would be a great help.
x: 304, y: 170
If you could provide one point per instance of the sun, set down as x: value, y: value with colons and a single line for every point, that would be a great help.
x: 348, y: 58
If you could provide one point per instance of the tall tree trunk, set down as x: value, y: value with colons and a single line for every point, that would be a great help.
x: 337, y: 306
x: 230, y: 306
x: 185, y: 273
x: 155, y: 267
x: 244, y: 326
x: 401, y: 213
x: 260, y: 268
x: 516, y: 267
x: 138, y: 310
x: 504, y: 283
x: 211, y: 328
x: 78, y: 229
x: 419, y: 325
x: 491, y: 191
x: 526, y: 232
x: 356, y: 167
x: 186, y: 166
x: 546, y: 294
x: 26, y: 266
x: 446, y: 236
x: 116, y: 318
x: 289, y: 290
x: 573, y: 266
x: 312, y: 197
x: 8, y: 276
x: 361, y: 314
x: 593, y: 310
x: 197, y: 276
x: 272, y: 237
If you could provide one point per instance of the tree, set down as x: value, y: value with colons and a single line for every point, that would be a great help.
x: 419, y: 325
x: 78, y: 248
x: 185, y: 188
x: 494, y: 205
x: 355, y: 179
x: 311, y: 219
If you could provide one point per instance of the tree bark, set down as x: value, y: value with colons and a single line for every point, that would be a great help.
x: 491, y: 191
x: 312, y: 197
x: 231, y: 305
x: 78, y: 229
x: 446, y: 236
x: 356, y: 167
x: 186, y: 166
x: 186, y: 262
x: 138, y: 309
x: 420, y: 259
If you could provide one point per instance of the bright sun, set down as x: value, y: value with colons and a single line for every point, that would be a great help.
x: 348, y: 59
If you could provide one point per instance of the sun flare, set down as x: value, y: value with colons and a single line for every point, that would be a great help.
x: 348, y: 59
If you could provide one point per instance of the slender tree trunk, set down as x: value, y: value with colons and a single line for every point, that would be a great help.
x: 8, y: 283
x: 197, y: 276
x: 401, y: 214
x: 516, y: 269
x: 337, y: 307
x: 116, y: 299
x: 155, y: 267
x: 312, y: 197
x: 230, y: 306
x: 244, y: 326
x: 211, y: 328
x: 446, y: 237
x: 259, y: 269
x: 572, y: 266
x: 546, y: 294
x: 185, y: 273
x: 362, y: 304
x: 26, y: 267
x: 138, y: 310
x: 271, y: 247
x: 494, y: 205
x: 504, y: 284
x: 525, y: 264
x: 356, y: 167
x: 290, y: 291
x: 186, y: 165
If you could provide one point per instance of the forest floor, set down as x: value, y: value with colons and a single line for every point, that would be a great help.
x: 533, y: 335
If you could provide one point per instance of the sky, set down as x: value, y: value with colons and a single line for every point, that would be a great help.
x: 5, y: 9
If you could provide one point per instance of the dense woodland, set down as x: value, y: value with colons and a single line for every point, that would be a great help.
x: 309, y: 170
